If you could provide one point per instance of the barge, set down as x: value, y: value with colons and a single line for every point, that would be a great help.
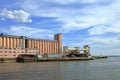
x: 38, y: 58
x: 26, y: 58
x: 64, y: 59
x: 99, y: 57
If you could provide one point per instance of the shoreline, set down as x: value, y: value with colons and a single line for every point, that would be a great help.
x: 54, y: 59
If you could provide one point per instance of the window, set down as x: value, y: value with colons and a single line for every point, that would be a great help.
x: 5, y: 51
x: 10, y: 51
x: 1, y: 55
x: 14, y: 55
x: 5, y: 55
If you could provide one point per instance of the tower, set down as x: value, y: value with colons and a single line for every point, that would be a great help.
x: 58, y: 37
x: 87, y: 50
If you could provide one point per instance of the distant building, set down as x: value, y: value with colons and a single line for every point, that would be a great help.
x: 76, y: 51
x: 11, y: 46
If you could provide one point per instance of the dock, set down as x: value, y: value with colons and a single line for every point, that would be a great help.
x: 35, y: 58
x: 54, y: 59
x: 65, y: 59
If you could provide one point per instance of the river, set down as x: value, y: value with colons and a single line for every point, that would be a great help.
x: 103, y: 69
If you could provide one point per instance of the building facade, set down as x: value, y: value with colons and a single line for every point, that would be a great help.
x: 12, y: 46
x: 14, y: 52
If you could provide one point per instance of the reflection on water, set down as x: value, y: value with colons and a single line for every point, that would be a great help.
x: 106, y: 69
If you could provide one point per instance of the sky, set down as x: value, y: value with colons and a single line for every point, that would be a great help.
x: 82, y: 22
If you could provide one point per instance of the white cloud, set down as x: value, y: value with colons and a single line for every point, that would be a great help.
x: 76, y: 17
x: 65, y: 2
x: 16, y: 15
x: 99, y: 42
x: 62, y: 1
x: 2, y: 19
x: 113, y: 28
x: 30, y: 32
x: 98, y: 30
x: 102, y: 40
x: 100, y: 45
x: 80, y: 23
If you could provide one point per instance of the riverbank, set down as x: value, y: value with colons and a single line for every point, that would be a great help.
x: 52, y: 59
x: 7, y: 60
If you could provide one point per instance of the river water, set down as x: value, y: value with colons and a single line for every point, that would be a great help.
x: 104, y: 69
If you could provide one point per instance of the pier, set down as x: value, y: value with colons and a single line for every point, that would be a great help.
x: 53, y: 59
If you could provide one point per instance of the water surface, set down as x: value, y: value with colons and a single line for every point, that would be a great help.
x: 104, y: 69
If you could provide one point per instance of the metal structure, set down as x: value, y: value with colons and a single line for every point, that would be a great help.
x: 76, y: 51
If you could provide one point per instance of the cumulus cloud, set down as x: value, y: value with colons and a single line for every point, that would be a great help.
x: 16, y: 15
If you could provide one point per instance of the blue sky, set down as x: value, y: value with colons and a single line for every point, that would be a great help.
x: 81, y: 22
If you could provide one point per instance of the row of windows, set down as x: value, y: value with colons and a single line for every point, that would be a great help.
x: 10, y: 48
x: 18, y: 48
x: 10, y: 52
x: 7, y: 55
x: 15, y: 52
